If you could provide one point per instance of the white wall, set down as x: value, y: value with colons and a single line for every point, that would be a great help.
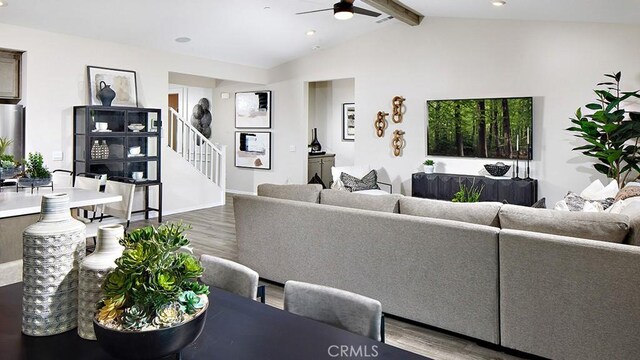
x: 56, y: 81
x: 325, y: 113
x: 557, y: 63
x: 288, y: 143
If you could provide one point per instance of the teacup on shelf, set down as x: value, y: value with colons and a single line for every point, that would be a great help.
x: 102, y: 126
x: 134, y: 150
x: 137, y: 175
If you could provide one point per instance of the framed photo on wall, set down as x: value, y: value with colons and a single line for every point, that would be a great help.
x: 253, y: 110
x: 349, y: 121
x: 123, y: 82
x: 253, y: 149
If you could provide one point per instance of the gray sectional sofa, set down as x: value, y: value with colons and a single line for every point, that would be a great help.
x: 555, y: 284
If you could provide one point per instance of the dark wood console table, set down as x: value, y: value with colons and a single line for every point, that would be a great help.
x: 443, y: 186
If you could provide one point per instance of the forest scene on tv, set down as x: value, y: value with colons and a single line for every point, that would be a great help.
x: 481, y: 128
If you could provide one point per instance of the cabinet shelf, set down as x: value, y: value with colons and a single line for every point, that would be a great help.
x: 107, y: 153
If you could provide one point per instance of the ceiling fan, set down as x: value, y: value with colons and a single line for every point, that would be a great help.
x: 344, y: 10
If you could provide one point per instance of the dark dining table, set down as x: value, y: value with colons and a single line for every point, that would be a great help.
x: 236, y: 328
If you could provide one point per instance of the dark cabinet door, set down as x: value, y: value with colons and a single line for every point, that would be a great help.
x: 444, y: 186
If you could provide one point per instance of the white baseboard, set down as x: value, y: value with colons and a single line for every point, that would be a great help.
x: 240, y: 192
x: 192, y: 208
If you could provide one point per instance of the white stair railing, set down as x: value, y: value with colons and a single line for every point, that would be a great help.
x: 206, y: 157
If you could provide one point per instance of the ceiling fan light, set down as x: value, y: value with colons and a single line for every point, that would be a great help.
x: 343, y: 15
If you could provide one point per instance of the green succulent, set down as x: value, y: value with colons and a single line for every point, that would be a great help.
x: 191, y: 302
x: 134, y: 318
x: 168, y: 315
x: 6, y: 164
x: 153, y: 274
x: 198, y: 288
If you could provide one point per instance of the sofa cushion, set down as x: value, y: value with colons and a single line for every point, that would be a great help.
x: 307, y: 193
x: 586, y: 225
x: 384, y: 203
x: 482, y: 213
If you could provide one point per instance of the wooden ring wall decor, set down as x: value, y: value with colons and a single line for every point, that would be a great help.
x: 381, y: 123
x: 398, y: 103
x: 398, y: 142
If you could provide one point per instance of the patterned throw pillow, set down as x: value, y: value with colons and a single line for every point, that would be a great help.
x: 368, y: 182
x: 577, y: 203
x: 628, y: 192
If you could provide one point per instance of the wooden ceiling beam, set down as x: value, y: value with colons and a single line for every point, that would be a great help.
x: 397, y: 10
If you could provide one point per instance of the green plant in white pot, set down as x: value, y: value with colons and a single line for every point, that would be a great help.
x: 428, y: 166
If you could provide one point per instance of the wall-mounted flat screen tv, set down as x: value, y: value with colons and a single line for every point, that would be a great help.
x: 481, y: 128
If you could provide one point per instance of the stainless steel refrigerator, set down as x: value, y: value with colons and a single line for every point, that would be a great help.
x: 12, y: 127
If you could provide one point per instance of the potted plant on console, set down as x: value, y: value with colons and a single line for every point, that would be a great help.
x: 153, y: 305
x: 428, y: 166
x: 35, y: 173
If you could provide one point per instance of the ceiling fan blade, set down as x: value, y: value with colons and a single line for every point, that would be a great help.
x: 313, y: 11
x: 362, y: 11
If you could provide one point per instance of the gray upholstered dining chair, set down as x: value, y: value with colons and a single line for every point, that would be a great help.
x: 231, y: 276
x: 352, y: 312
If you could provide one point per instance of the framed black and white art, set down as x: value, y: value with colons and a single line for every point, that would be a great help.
x: 349, y: 122
x: 123, y: 82
x: 253, y: 110
x: 253, y: 149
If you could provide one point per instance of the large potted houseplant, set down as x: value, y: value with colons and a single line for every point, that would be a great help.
x: 611, y: 137
x: 35, y: 173
x: 153, y: 304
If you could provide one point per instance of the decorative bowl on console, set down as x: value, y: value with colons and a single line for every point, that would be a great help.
x: 497, y: 169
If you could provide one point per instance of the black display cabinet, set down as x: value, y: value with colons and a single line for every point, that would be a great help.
x: 120, y: 142
x: 444, y: 186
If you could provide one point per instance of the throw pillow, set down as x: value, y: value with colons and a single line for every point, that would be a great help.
x: 597, y: 191
x: 540, y: 204
x: 628, y: 192
x: 368, y: 182
x: 338, y: 185
x: 575, y: 202
x: 317, y: 180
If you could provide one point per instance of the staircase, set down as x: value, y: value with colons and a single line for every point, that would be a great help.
x: 205, y: 157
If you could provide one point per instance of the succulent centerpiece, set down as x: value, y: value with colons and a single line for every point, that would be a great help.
x: 153, y: 288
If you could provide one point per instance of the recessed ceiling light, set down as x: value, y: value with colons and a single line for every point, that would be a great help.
x: 3, y: 3
x: 183, y: 39
x: 266, y: 8
x: 315, y: 47
x: 498, y: 2
x: 311, y: 32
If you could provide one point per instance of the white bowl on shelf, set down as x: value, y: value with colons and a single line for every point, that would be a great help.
x: 134, y: 150
x: 136, y: 127
x: 102, y: 126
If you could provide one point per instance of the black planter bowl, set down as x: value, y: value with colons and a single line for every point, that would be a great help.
x: 152, y: 344
x: 497, y: 169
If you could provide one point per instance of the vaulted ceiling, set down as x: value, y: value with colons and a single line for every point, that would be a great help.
x: 266, y: 33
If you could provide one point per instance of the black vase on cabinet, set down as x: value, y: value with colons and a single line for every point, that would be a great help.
x: 315, y: 144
